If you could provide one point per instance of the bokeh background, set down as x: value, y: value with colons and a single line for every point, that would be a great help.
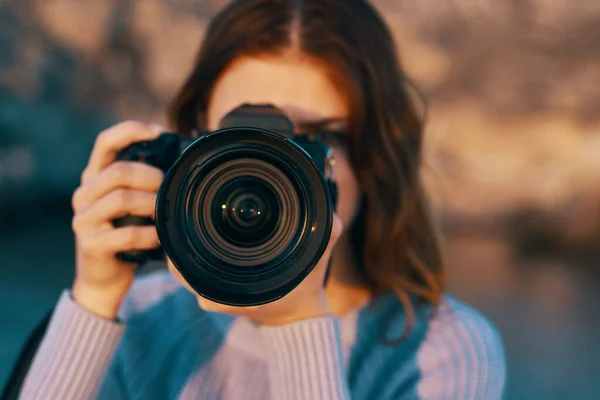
x: 513, y: 154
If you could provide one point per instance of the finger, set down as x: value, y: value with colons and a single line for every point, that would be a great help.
x: 116, y: 240
x: 132, y: 175
x: 336, y: 231
x: 116, y: 204
x: 110, y: 141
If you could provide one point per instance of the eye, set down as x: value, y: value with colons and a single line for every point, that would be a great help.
x: 334, y: 138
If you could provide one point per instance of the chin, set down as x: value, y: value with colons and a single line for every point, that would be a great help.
x: 205, y: 304
x: 200, y: 302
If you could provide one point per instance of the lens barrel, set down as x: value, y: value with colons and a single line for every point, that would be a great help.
x: 245, y: 215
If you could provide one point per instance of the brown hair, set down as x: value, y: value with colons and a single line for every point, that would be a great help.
x: 393, y: 234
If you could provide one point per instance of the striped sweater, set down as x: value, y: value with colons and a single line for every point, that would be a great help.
x: 165, y: 347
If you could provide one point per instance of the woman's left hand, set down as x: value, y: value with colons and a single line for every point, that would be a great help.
x: 307, y: 300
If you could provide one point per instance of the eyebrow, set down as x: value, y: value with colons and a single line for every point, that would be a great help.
x: 321, y: 124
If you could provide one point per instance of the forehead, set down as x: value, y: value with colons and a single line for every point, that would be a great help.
x: 299, y: 86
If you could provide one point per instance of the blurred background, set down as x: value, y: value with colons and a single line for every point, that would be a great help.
x: 513, y: 154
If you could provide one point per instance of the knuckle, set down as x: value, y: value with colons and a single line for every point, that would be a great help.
x: 119, y: 171
x: 77, y: 223
x: 84, y: 175
x: 86, y: 245
x: 120, y: 197
x: 103, y: 138
x: 76, y: 199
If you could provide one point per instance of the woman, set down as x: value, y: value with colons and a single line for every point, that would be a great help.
x: 380, y: 329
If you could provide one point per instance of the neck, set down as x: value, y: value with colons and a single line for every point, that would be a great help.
x: 347, y: 289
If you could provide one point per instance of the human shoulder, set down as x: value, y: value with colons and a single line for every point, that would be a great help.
x: 461, y: 328
x: 462, y: 355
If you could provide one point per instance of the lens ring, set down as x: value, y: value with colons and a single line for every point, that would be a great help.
x: 276, y: 243
x: 284, y: 234
x: 278, y: 234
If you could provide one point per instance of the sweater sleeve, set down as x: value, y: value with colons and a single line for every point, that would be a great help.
x: 305, y: 360
x: 74, y: 356
x: 462, y: 358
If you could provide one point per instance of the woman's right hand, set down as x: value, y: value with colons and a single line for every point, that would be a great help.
x: 111, y: 189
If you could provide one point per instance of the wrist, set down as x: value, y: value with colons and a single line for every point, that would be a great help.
x: 98, y: 302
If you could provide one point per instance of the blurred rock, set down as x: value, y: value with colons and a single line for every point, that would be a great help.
x: 513, y: 134
x: 515, y: 57
x: 158, y: 26
x: 81, y: 25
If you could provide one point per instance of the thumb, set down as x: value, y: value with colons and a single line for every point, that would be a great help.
x: 336, y: 230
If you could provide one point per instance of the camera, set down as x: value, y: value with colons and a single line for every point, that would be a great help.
x: 244, y: 212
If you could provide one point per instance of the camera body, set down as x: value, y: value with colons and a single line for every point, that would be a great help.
x: 244, y: 212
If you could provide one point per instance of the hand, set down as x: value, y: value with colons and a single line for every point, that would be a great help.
x: 307, y: 300
x: 111, y: 190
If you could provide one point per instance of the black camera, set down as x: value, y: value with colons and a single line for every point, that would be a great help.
x: 244, y: 212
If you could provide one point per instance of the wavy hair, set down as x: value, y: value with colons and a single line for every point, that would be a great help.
x: 396, y: 243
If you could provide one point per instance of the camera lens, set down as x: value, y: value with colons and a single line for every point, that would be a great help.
x: 244, y: 214
x: 246, y: 211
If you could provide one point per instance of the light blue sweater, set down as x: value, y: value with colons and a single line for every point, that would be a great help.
x: 168, y: 348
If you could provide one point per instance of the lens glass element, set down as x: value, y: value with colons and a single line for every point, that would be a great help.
x: 246, y: 211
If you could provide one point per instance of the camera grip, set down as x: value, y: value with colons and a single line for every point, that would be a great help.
x: 159, y: 153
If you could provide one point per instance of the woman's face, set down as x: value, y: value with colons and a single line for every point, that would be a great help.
x: 301, y: 89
